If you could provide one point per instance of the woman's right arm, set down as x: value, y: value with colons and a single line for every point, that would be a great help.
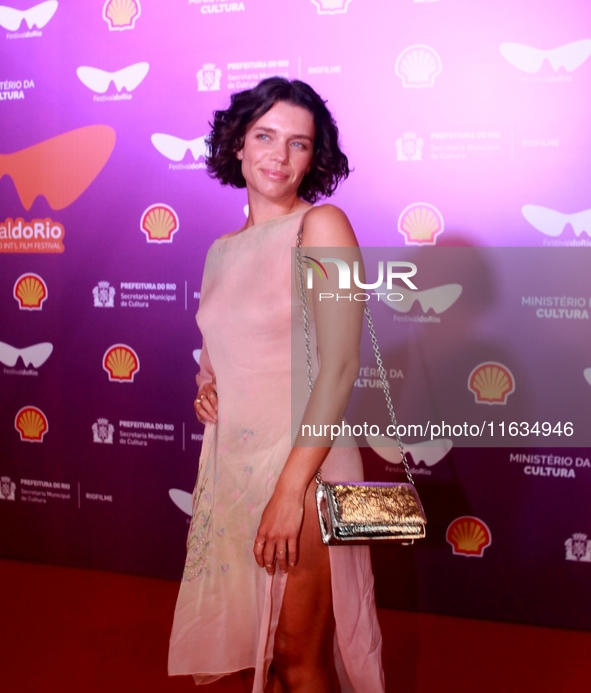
x: 206, y: 404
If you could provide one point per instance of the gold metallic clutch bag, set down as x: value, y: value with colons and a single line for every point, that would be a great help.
x: 364, y: 512
x: 361, y: 512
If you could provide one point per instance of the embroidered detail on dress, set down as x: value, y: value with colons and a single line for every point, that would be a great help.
x: 247, y: 435
x: 199, y: 533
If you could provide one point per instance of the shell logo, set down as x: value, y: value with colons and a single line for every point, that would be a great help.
x: 31, y: 423
x: 417, y: 66
x: 121, y: 363
x: 159, y: 222
x: 468, y: 536
x: 420, y: 224
x: 30, y: 291
x: 121, y: 14
x: 491, y: 383
x: 331, y: 6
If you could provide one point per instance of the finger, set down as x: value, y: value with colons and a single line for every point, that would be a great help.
x: 269, y: 557
x: 292, y: 550
x: 282, y: 559
x: 207, y: 410
x: 203, y: 413
x: 258, y: 548
x: 211, y: 398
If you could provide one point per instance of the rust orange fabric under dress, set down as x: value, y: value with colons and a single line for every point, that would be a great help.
x: 228, y: 608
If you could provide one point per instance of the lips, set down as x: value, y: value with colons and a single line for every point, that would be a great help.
x: 275, y: 175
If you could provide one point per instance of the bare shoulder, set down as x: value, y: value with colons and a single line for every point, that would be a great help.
x: 229, y: 235
x: 328, y: 226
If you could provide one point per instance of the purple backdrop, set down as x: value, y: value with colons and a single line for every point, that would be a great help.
x: 467, y: 126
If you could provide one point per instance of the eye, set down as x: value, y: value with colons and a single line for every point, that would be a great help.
x: 299, y: 145
x: 262, y: 136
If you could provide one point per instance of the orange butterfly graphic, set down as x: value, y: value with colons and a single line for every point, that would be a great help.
x: 60, y: 168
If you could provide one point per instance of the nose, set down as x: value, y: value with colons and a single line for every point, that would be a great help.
x: 280, y: 153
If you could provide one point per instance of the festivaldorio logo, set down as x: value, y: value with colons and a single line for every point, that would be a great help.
x: 491, y: 383
x: 159, y: 222
x: 104, y: 295
x: 102, y: 431
x: 331, y: 6
x: 175, y: 148
x: 430, y: 452
x: 35, y: 355
x: 30, y: 290
x: 35, y: 236
x: 121, y: 363
x: 121, y: 14
x: 31, y: 423
x: 553, y: 223
x: 438, y: 299
x: 98, y: 80
x: 209, y: 78
x: 409, y: 147
x: 528, y: 59
x: 420, y: 223
x: 47, y: 168
x: 417, y: 66
x: 182, y: 499
x: 38, y: 15
x: 587, y: 375
x: 578, y: 548
x: 7, y: 489
x: 468, y: 536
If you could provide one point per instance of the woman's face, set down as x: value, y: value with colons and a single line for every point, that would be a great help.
x: 278, y: 151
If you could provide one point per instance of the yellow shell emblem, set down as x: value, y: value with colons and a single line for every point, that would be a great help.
x: 468, y: 536
x: 420, y: 224
x: 417, y: 66
x: 491, y: 383
x: 121, y: 363
x: 30, y: 291
x: 159, y: 222
x: 121, y: 14
x: 32, y: 424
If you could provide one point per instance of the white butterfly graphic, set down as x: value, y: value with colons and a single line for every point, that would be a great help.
x: 439, y: 298
x: 38, y: 15
x: 99, y: 80
x: 552, y: 223
x: 428, y: 451
x: 587, y: 375
x: 182, y: 500
x: 35, y: 355
x: 197, y: 355
x: 530, y: 59
x: 175, y: 148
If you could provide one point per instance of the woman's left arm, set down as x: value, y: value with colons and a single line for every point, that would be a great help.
x: 338, y: 333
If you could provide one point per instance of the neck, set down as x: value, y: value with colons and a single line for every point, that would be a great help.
x: 261, y: 209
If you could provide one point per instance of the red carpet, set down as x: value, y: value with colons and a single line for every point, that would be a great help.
x: 65, y: 629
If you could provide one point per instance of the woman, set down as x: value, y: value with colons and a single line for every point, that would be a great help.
x: 300, y: 614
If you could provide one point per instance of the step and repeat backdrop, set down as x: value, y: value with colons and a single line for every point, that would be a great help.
x: 467, y: 126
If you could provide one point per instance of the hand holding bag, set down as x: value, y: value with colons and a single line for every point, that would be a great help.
x: 361, y: 512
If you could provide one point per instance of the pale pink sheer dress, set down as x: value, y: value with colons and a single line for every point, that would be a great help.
x: 228, y: 608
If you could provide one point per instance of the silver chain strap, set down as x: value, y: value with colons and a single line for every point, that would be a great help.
x: 374, y: 342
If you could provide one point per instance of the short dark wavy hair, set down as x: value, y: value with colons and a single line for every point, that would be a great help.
x: 228, y: 130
